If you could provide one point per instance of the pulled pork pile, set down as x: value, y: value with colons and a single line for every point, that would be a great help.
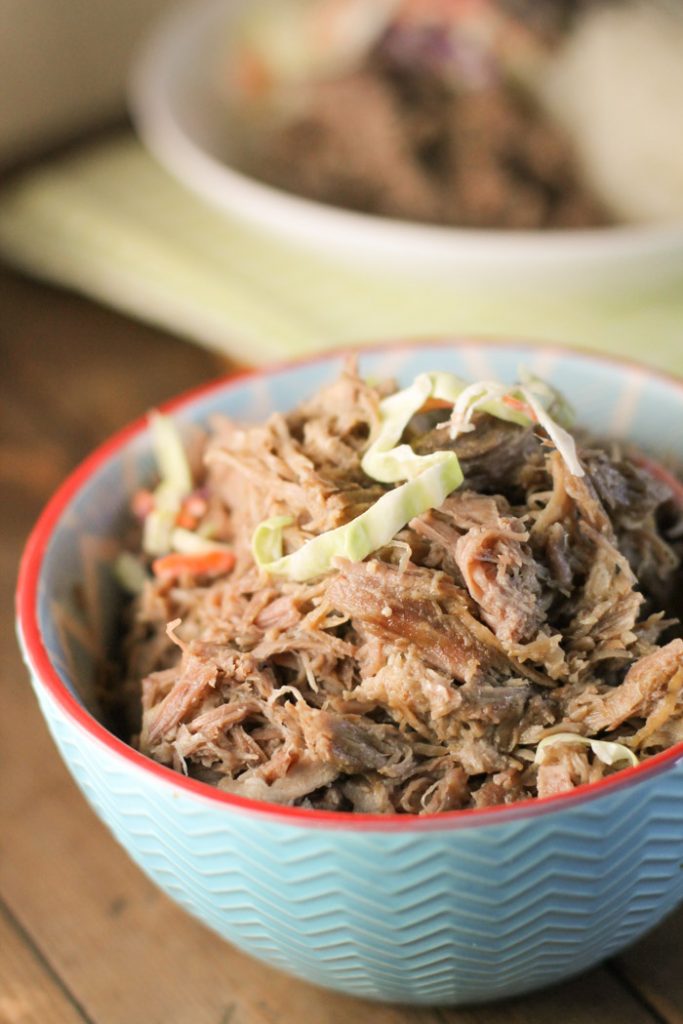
x: 423, y: 678
x: 401, y: 145
x: 442, y: 121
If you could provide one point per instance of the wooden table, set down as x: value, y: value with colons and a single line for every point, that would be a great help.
x: 84, y: 936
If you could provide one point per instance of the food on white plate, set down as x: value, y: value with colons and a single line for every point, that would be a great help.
x: 411, y: 600
x: 475, y: 113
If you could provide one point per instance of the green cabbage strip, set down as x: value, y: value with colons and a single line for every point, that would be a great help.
x: 366, y: 533
x: 130, y: 573
x: 169, y: 452
x: 188, y: 542
x: 429, y: 479
x: 606, y: 751
x: 174, y: 485
x: 160, y: 533
x: 561, y: 438
x: 484, y: 396
x: 388, y: 461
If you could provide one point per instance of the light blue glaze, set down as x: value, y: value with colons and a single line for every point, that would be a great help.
x: 439, y: 915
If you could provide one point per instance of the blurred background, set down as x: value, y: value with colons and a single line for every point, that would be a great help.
x: 63, y: 68
x: 309, y: 173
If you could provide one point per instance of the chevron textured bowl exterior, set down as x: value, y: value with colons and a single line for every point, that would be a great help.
x: 456, y: 909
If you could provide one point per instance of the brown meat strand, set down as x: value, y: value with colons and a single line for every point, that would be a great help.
x: 488, y: 549
x: 608, y: 605
x: 502, y: 577
x: 196, y: 680
x: 349, y: 743
x: 491, y: 456
x: 304, y: 777
x: 421, y: 608
x: 645, y: 684
x: 565, y: 766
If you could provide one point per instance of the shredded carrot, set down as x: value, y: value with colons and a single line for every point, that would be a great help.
x: 209, y: 563
x: 191, y: 511
x: 516, y: 403
x: 142, y: 503
x: 253, y: 76
x: 186, y: 520
x: 432, y: 404
x: 659, y: 472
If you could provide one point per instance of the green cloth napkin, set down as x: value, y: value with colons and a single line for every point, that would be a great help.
x: 110, y: 223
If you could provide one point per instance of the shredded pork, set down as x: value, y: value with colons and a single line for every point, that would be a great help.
x: 423, y: 678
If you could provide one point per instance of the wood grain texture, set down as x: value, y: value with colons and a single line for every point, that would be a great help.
x: 654, y: 968
x: 97, y: 942
x: 29, y: 991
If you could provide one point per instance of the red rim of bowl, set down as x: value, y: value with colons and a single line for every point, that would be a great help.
x: 39, y: 659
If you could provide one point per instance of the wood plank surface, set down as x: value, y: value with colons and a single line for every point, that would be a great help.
x: 654, y: 969
x: 84, y: 936
x: 30, y: 993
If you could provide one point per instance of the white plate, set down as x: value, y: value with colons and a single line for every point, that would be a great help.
x: 187, y: 126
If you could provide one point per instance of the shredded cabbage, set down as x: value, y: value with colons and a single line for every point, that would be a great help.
x: 298, y: 41
x: 606, y: 751
x: 187, y: 542
x: 387, y: 461
x: 174, y: 485
x: 369, y: 531
x: 561, y: 438
x: 429, y: 479
x: 160, y: 533
x: 130, y: 573
x: 485, y: 396
x: 556, y: 403
x: 169, y: 452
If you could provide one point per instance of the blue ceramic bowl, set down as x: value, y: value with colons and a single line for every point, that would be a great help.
x: 454, y: 908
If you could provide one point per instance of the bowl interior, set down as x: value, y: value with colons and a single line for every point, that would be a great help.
x: 78, y: 600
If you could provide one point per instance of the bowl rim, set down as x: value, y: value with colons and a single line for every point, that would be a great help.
x: 191, y: 161
x: 40, y: 664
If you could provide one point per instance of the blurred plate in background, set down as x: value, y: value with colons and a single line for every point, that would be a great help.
x: 188, y: 125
